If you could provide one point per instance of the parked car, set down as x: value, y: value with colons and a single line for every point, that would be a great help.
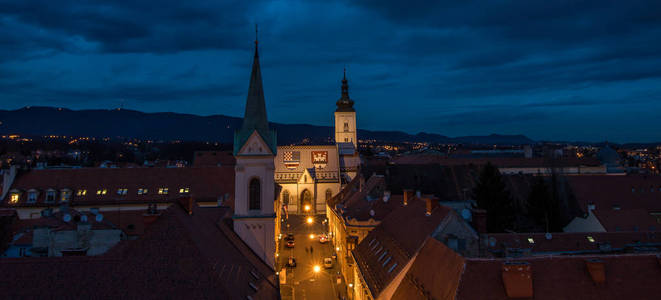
x: 291, y: 262
x: 328, y: 263
x: 290, y: 244
x: 323, y: 238
x: 289, y: 237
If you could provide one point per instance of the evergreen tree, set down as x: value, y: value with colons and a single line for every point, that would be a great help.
x: 490, y: 194
x: 539, y: 203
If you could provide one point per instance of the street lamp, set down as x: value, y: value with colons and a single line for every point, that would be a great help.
x: 312, y: 236
x: 306, y: 207
x: 316, y: 268
x: 309, y: 220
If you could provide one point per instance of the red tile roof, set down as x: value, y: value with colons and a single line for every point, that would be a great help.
x: 204, y: 183
x: 180, y: 256
x: 398, y: 242
x: 568, y: 243
x: 503, y: 162
x: 437, y: 270
x: 622, y: 203
x: 213, y: 158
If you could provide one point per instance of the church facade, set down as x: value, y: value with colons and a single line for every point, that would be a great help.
x: 272, y: 180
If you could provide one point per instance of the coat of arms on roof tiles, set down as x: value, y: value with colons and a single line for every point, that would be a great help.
x: 291, y: 159
x: 319, y: 159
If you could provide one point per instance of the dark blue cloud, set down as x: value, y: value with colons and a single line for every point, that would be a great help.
x: 451, y: 67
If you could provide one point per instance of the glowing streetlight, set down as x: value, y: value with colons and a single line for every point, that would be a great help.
x: 306, y: 207
x: 350, y: 285
x: 337, y: 248
x: 316, y: 268
x: 309, y: 220
x: 312, y: 236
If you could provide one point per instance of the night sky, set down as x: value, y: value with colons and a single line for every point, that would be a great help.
x: 560, y: 70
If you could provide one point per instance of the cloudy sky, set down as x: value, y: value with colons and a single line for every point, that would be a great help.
x: 561, y: 70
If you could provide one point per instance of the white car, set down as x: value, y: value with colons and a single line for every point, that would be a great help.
x: 328, y: 263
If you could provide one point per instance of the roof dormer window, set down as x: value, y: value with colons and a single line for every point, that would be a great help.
x: 142, y: 191
x: 13, y: 197
x: 163, y: 191
x: 122, y: 191
x: 65, y: 195
x: 50, y: 196
x: 101, y: 191
x: 32, y: 195
x: 184, y: 190
x: 80, y: 193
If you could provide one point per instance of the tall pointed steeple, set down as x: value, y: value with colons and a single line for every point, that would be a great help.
x: 345, y: 103
x: 255, y: 115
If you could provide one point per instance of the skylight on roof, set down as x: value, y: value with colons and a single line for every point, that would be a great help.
x: 531, y: 240
x: 383, y: 255
x: 392, y: 267
x: 590, y: 239
x: 387, y: 261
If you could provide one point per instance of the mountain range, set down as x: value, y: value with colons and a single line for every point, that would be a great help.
x: 41, y: 121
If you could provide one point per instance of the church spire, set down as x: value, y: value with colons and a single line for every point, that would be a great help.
x: 345, y: 103
x: 255, y: 115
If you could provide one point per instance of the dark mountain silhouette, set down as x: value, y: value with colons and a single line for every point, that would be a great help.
x: 40, y: 121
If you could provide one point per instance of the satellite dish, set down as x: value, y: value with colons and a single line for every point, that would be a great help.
x: 83, y: 218
x: 492, y: 241
x: 67, y: 218
x: 99, y: 218
x: 548, y: 236
x: 466, y: 214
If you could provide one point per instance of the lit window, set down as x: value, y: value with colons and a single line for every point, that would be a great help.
x: 184, y: 190
x: 81, y: 193
x: 122, y: 191
x: 101, y: 192
x: 65, y: 195
x: 163, y: 191
x: 14, y: 198
x: 590, y: 239
x: 531, y: 240
x: 32, y: 197
x: 142, y: 191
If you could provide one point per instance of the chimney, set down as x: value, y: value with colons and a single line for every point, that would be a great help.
x: 386, y: 196
x: 517, y: 278
x: 480, y: 220
x: 187, y: 204
x: 597, y: 270
x: 408, y: 195
x: 431, y: 202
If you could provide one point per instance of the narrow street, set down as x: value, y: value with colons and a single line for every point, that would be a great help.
x: 302, y: 280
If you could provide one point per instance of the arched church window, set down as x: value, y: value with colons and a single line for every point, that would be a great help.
x: 285, y: 197
x: 329, y: 194
x: 254, y: 194
x: 346, y: 126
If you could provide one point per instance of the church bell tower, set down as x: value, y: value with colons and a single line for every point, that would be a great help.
x: 254, y: 186
x: 345, y: 117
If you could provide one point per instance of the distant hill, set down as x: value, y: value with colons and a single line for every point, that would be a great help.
x: 39, y: 121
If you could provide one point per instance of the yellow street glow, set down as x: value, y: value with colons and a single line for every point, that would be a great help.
x: 316, y: 268
x: 309, y: 220
x: 337, y: 248
x: 311, y: 236
x: 307, y: 207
